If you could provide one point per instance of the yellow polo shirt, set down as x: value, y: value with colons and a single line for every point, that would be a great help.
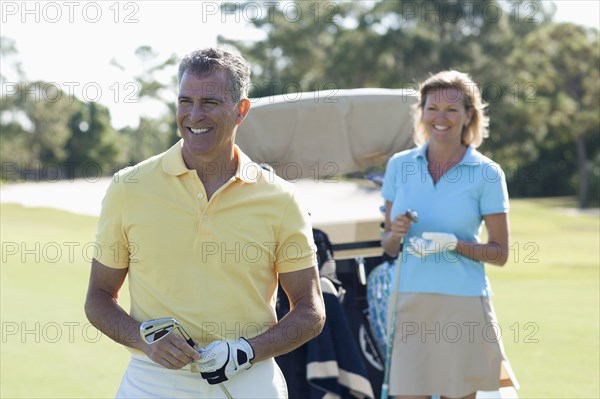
x: 213, y: 265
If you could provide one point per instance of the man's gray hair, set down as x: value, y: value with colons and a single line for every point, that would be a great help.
x: 205, y: 61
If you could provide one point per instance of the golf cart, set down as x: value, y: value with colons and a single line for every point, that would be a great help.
x: 312, y: 140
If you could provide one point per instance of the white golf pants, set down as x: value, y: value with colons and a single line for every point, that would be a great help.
x: 146, y: 379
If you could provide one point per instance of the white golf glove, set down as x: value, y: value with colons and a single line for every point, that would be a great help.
x: 222, y: 359
x: 431, y: 243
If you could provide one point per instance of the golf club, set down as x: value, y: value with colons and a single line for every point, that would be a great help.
x: 391, y: 327
x: 154, y: 330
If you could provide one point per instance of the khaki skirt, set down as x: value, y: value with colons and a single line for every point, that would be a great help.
x: 447, y: 345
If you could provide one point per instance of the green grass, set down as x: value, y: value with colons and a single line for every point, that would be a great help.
x: 49, y: 350
x: 547, y: 300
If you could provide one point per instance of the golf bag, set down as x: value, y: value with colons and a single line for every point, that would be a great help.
x: 346, y: 337
x: 379, y: 287
x: 357, y: 312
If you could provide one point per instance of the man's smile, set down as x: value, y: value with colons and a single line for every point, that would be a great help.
x: 199, y: 131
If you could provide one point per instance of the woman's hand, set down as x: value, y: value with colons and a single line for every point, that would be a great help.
x: 399, y: 227
x: 395, y: 230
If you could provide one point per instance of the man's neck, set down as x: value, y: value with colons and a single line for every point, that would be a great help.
x: 214, y: 173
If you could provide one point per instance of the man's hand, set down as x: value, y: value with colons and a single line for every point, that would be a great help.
x: 431, y: 243
x: 219, y: 360
x: 172, y: 352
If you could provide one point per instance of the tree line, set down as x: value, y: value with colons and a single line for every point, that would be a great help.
x: 541, y: 80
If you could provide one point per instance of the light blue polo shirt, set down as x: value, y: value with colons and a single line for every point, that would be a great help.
x: 474, y: 187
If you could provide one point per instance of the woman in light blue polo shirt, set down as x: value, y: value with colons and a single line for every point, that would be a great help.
x: 447, y: 340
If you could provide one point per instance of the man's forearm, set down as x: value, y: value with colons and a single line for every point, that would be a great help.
x: 300, y: 325
x: 106, y: 315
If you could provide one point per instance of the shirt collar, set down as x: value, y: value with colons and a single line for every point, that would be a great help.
x: 471, y: 158
x: 421, y: 152
x: 247, y: 171
x: 172, y: 162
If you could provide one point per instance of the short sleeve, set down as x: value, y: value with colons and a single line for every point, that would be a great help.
x: 388, y: 190
x: 112, y: 246
x: 295, y: 245
x: 494, y: 195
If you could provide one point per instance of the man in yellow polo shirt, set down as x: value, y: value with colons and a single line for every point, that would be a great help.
x: 204, y: 235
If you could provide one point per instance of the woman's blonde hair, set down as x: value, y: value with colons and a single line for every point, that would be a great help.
x: 477, y: 129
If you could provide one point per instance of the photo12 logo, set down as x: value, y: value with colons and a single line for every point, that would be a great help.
x: 289, y: 11
x: 52, y: 92
x: 470, y: 11
x: 69, y: 11
x: 51, y: 332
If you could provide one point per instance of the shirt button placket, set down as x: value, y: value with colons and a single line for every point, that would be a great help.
x: 204, y: 217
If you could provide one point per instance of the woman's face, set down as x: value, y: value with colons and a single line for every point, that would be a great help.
x: 444, y: 115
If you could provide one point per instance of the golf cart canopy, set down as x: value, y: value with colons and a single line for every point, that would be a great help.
x: 313, y: 138
x: 317, y: 134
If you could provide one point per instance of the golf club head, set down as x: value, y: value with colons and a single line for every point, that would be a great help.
x: 412, y: 215
x: 154, y: 330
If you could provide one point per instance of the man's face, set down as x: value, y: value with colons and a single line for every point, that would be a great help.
x: 207, y: 118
